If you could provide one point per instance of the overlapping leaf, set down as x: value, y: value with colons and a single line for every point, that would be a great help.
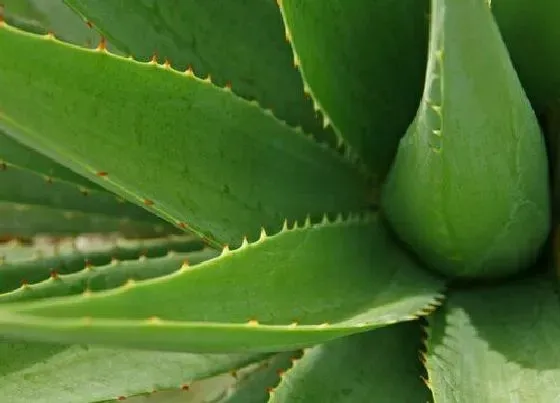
x: 17, y: 154
x: 496, y: 345
x: 195, y: 154
x: 299, y: 287
x: 238, y: 43
x: 364, y: 63
x: 256, y: 386
x: 105, y: 277
x: 26, y: 187
x: 47, y: 373
x: 378, y: 366
x: 24, y: 221
x: 50, y: 16
x: 15, y: 272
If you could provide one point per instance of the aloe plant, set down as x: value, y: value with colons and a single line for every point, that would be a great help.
x: 355, y: 200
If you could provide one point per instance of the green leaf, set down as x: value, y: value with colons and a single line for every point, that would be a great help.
x: 532, y: 34
x: 193, y: 153
x: 299, y: 287
x: 474, y: 119
x: 14, y: 273
x: 216, y: 38
x: 16, y: 249
x: 255, y: 387
x: 364, y: 63
x: 377, y: 366
x: 105, y: 276
x: 20, y: 220
x: 496, y: 344
x: 43, y: 16
x: 15, y: 153
x: 47, y: 373
x: 26, y: 187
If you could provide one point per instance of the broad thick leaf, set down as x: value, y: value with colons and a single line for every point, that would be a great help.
x: 48, y: 373
x: 496, y: 345
x: 239, y: 43
x: 255, y: 387
x: 299, y: 287
x: 21, y: 220
x: 469, y: 188
x: 532, y: 34
x: 105, y: 277
x: 364, y: 63
x: 14, y: 273
x: 17, y: 154
x: 193, y: 153
x: 43, y: 16
x: 26, y: 187
x: 378, y: 366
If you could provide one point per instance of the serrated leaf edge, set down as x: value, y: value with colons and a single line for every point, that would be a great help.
x: 252, y: 323
x: 187, y: 74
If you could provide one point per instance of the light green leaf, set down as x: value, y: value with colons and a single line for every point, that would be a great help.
x: 43, y: 16
x: 532, y: 34
x: 26, y: 187
x: 14, y: 273
x: 474, y: 161
x: 193, y: 153
x: 15, y: 153
x: 48, y: 373
x: 21, y: 220
x: 299, y: 287
x: 364, y: 63
x: 217, y: 38
x: 496, y: 345
x: 105, y: 277
x: 378, y: 366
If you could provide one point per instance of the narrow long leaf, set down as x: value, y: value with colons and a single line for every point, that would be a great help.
x: 299, y: 287
x: 14, y: 273
x: 26, y: 187
x: 47, y: 373
x: 105, y: 277
x: 256, y: 66
x: 193, y: 153
x: 21, y: 220
x: 17, y: 154
x: 496, y: 345
x: 378, y: 366
x: 363, y: 62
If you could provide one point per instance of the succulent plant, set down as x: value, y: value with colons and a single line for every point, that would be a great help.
x: 346, y: 201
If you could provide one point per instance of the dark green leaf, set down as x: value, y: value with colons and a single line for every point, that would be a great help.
x: 532, y: 34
